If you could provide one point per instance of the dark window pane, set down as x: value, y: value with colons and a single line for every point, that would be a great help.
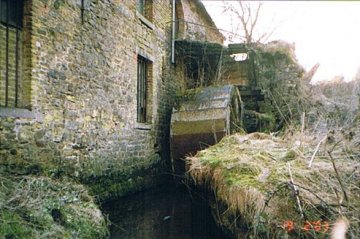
x: 11, y: 12
x: 141, y: 6
x: 142, y: 89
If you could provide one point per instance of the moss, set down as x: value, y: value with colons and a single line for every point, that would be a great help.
x: 108, y: 178
x: 39, y: 207
x: 106, y: 188
x: 279, y: 76
x: 266, y: 122
x: 13, y: 226
x: 238, y: 179
x: 57, y: 4
x: 289, y: 156
x: 250, y: 175
x: 213, y: 162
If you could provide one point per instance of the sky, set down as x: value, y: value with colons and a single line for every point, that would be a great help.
x: 325, y: 32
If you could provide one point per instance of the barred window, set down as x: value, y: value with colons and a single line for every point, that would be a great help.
x: 11, y: 52
x: 144, y: 88
x: 145, y: 8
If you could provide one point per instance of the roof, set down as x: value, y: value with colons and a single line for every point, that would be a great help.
x: 201, y: 48
x: 204, y: 103
x: 198, y: 48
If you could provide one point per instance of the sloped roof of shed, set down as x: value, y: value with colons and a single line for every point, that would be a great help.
x: 204, y: 104
x: 198, y: 48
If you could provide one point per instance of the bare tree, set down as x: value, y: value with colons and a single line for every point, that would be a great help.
x: 247, y: 13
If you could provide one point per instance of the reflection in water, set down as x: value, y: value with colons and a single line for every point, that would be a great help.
x: 165, y: 213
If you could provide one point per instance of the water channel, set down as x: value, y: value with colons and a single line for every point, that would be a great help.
x: 163, y: 213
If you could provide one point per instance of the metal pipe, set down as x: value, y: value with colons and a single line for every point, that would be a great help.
x: 173, y: 32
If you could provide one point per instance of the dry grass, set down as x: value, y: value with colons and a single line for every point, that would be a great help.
x: 39, y: 207
x: 250, y: 175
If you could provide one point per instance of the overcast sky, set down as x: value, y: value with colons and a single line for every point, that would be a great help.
x: 324, y: 32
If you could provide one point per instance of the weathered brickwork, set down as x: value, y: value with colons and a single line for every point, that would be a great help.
x: 83, y: 118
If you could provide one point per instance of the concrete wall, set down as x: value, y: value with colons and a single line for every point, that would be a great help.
x: 82, y: 120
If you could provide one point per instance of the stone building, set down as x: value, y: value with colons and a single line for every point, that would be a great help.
x: 87, y: 87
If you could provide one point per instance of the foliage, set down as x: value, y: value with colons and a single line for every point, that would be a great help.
x: 250, y: 174
x: 280, y: 77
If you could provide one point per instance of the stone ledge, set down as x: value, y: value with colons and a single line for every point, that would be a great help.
x: 19, y: 113
x: 143, y: 126
x: 145, y: 21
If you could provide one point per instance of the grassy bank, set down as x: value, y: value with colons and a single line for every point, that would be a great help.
x: 264, y: 184
x: 40, y: 207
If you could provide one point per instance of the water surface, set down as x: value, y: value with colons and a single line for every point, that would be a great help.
x: 166, y: 213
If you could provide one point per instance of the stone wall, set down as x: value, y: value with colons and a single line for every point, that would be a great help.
x: 197, y: 24
x: 82, y: 68
x: 83, y: 95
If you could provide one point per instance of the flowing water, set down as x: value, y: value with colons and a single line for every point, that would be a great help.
x: 165, y: 213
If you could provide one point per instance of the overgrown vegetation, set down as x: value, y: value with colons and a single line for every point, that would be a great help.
x: 40, y: 207
x: 260, y: 177
x: 38, y: 200
x: 297, y: 184
x: 280, y: 77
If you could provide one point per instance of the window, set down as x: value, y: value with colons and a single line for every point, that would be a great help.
x: 144, y: 89
x: 239, y: 56
x: 145, y: 8
x: 11, y: 38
